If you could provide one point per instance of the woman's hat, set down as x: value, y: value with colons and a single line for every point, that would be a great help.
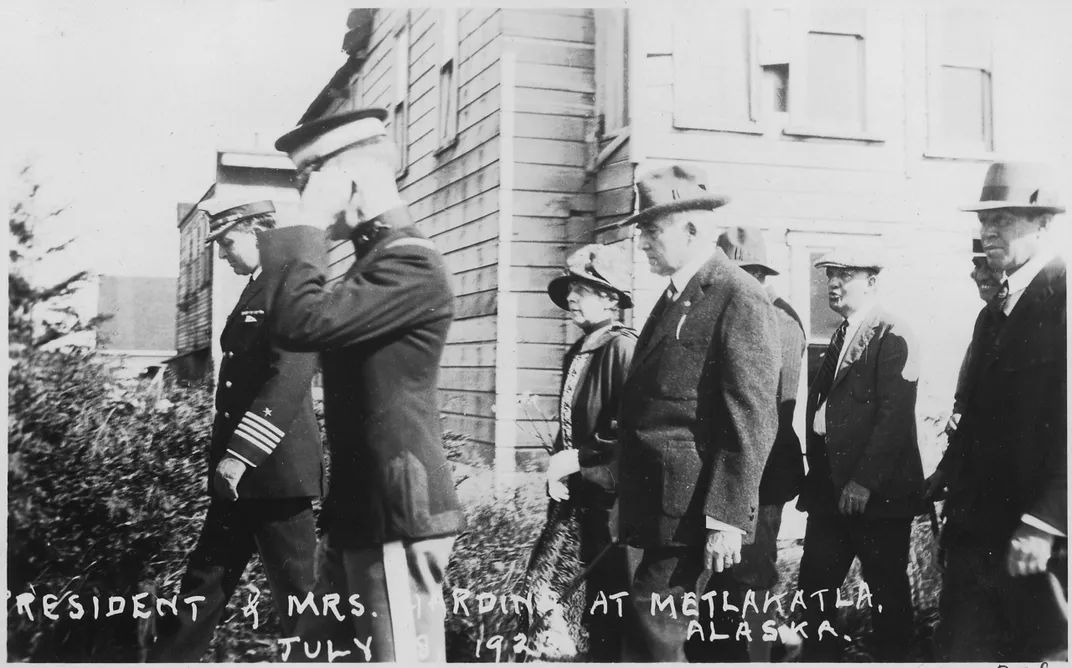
x: 603, y: 266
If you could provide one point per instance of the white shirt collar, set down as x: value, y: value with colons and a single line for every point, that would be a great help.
x: 682, y: 276
x: 255, y: 274
x: 1019, y: 280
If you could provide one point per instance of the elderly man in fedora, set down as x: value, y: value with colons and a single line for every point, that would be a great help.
x: 698, y: 419
x: 392, y: 514
x: 864, y: 468
x: 783, y: 474
x: 265, y: 461
x: 1006, y: 466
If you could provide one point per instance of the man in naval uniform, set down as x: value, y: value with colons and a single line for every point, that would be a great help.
x: 265, y: 460
x: 392, y: 514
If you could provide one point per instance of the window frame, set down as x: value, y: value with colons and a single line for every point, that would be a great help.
x: 803, y: 24
x: 934, y: 146
x: 400, y: 103
x: 447, y: 128
x: 606, y: 64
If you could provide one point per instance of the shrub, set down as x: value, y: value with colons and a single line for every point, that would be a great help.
x: 106, y: 494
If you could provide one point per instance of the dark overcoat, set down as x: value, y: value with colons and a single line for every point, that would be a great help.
x: 593, y: 422
x: 699, y: 411
x: 784, y: 473
x: 1009, y: 454
x: 380, y: 330
x: 264, y: 406
x: 871, y: 424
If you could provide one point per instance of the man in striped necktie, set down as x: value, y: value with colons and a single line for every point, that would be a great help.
x: 865, y: 473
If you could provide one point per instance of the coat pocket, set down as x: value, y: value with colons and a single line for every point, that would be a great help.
x: 681, y: 469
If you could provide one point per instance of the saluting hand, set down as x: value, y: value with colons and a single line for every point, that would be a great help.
x: 853, y: 499
x: 228, y: 472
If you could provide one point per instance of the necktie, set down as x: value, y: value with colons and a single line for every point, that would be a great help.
x: 997, y: 304
x: 825, y: 377
x: 656, y: 313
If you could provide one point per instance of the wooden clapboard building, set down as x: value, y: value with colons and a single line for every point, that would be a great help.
x: 523, y: 131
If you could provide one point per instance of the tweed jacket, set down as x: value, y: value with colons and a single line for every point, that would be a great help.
x: 264, y: 406
x: 1009, y: 454
x: 699, y: 412
x: 871, y: 424
x: 380, y: 331
x: 784, y: 472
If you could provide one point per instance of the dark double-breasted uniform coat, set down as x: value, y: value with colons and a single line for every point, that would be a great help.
x: 265, y: 419
x: 264, y: 406
x: 381, y: 332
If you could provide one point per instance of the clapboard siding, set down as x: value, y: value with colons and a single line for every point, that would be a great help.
x: 553, y: 98
x: 452, y: 193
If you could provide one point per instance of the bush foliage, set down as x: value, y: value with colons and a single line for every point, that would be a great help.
x: 106, y: 494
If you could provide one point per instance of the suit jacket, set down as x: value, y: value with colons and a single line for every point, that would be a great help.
x: 593, y: 427
x: 1008, y: 456
x: 871, y: 424
x: 699, y: 412
x: 380, y: 331
x: 264, y: 406
x: 784, y: 473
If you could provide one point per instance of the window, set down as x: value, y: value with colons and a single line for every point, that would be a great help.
x: 400, y: 110
x: 801, y: 73
x: 714, y: 82
x: 834, y: 94
x: 447, y: 122
x: 612, y: 68
x: 960, y: 115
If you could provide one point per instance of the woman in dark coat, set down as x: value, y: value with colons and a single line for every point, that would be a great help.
x: 582, y: 528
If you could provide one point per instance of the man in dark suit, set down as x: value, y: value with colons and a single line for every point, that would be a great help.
x: 864, y: 467
x: 697, y: 421
x: 783, y: 474
x: 1006, y: 465
x: 265, y: 460
x: 392, y: 513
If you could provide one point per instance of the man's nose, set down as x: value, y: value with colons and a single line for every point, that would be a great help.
x: 220, y: 253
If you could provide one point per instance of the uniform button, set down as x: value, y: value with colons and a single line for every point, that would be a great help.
x: 227, y: 384
x: 227, y: 415
x: 230, y: 354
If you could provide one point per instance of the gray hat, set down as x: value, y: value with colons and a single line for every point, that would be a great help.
x: 1018, y: 185
x: 745, y: 247
x: 673, y: 189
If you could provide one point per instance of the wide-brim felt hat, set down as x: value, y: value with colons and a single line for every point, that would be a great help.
x: 670, y: 190
x: 744, y: 246
x: 603, y: 266
x: 853, y: 258
x: 307, y: 132
x: 1018, y: 185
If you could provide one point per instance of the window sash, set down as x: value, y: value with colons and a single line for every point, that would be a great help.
x: 447, y: 85
x: 400, y: 108
x: 959, y: 41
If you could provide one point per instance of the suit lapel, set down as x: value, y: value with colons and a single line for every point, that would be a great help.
x: 667, y: 322
x: 857, y: 346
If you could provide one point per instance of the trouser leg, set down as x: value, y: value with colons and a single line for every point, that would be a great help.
x: 286, y: 541
x: 882, y: 546
x: 827, y: 557
x: 758, y: 572
x: 399, y: 589
x: 216, y: 564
